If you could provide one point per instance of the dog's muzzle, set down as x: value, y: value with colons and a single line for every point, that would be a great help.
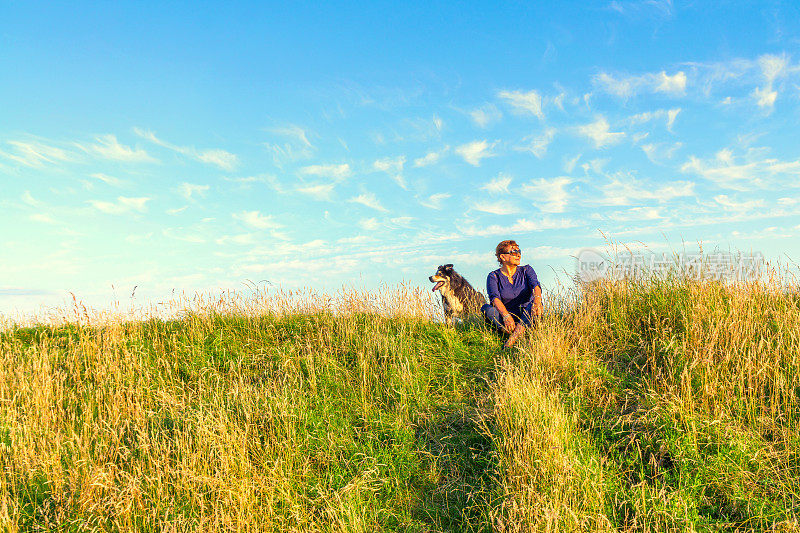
x: 438, y: 284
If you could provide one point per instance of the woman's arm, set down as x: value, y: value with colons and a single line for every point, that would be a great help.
x: 498, y: 303
x: 538, y: 309
x: 508, y: 320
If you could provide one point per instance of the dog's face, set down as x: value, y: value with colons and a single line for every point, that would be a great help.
x: 442, y: 277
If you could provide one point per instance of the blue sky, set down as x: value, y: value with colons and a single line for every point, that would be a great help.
x: 195, y: 147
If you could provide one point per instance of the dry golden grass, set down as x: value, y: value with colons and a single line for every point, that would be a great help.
x: 655, y: 406
x: 634, y: 406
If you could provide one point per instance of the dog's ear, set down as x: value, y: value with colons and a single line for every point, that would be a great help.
x: 448, y: 266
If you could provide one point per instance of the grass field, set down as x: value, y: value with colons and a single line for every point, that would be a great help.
x: 666, y: 405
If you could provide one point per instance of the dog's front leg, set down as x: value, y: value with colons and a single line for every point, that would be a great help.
x: 448, y: 316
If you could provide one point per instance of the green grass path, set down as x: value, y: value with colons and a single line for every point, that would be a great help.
x: 356, y: 423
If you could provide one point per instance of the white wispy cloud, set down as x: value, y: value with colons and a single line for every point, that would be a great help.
x: 358, y: 239
x: 181, y: 234
x: 247, y: 182
x: 635, y: 8
x: 530, y: 101
x: 215, y: 156
x: 569, y: 164
x: 595, y: 165
x: 672, y: 114
x: 743, y: 172
x: 431, y: 157
x: 287, y: 152
x: 635, y: 213
x: 189, y: 190
x: 625, y: 190
x: 766, y: 75
x: 434, y: 201
x: 256, y: 220
x: 765, y: 96
x: 272, y: 182
x: 660, y: 152
x: 627, y: 86
x: 772, y: 67
x: 293, y: 131
x: 295, y: 147
x: 108, y: 147
x: 219, y: 158
x: 674, y: 85
x: 474, y: 151
x: 321, y: 191
x: 28, y: 199
x: 558, y: 100
x: 549, y: 195
x: 109, y: 180
x: 402, y: 221
x: 392, y: 166
x: 772, y: 232
x: 498, y: 185
x: 521, y: 226
x: 669, y: 114
x: 369, y: 224
x: 723, y: 170
x: 36, y: 153
x: 598, y: 132
x: 334, y: 171
x: 500, y: 207
x: 485, y: 115
x: 296, y: 271
x: 44, y: 218
x: 537, y: 145
x: 713, y: 75
x: 744, y: 205
x: 241, y: 239
x: 622, y: 87
x: 369, y: 200
x: 122, y: 205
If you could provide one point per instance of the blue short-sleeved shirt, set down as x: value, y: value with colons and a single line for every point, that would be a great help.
x: 515, y: 296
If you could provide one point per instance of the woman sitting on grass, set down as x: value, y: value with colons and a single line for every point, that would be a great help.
x: 514, y: 293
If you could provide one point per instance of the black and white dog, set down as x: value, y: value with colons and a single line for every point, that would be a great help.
x: 459, y: 298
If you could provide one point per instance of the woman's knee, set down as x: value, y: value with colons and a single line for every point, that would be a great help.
x: 491, y: 315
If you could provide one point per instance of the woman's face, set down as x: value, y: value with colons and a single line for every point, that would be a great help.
x: 512, y: 256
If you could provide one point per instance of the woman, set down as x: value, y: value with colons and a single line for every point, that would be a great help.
x: 514, y: 293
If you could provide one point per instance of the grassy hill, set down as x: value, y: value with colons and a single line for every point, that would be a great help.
x: 659, y: 406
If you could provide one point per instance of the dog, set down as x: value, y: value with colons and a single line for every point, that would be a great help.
x: 459, y: 298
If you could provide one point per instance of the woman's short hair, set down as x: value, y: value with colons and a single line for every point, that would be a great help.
x: 501, y: 249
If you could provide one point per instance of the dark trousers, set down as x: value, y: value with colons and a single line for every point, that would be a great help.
x: 492, y: 316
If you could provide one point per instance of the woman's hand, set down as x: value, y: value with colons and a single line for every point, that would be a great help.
x: 538, y: 308
x: 508, y: 322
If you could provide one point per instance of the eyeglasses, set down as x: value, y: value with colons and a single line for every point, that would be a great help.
x: 515, y: 251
